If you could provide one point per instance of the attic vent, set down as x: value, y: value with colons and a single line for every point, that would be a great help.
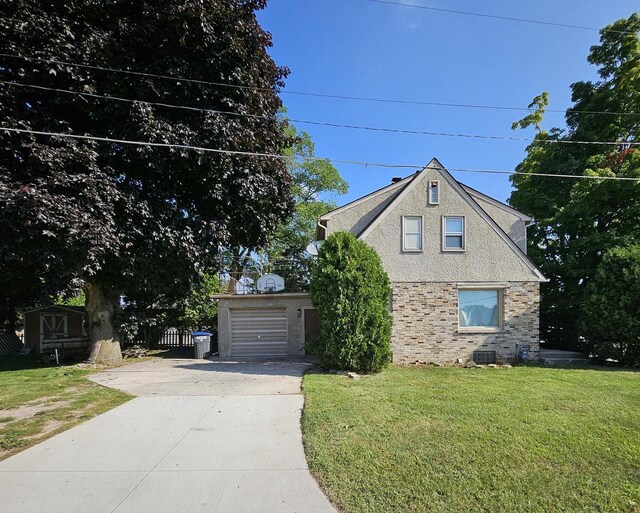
x: 434, y: 192
x: 395, y: 179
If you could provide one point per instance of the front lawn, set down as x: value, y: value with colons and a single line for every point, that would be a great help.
x: 38, y: 401
x: 460, y: 440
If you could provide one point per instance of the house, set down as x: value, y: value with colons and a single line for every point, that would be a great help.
x: 463, y: 286
x: 462, y: 282
x: 59, y: 327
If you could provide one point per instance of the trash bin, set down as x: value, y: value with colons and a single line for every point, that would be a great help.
x: 201, y: 343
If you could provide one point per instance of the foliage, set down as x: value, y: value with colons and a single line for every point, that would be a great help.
x: 611, y: 311
x: 313, y: 180
x: 577, y: 221
x: 129, y: 219
x: 527, y: 439
x: 76, y: 299
x: 200, y: 311
x: 351, y: 292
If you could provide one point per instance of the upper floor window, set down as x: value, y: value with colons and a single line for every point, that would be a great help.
x: 454, y: 233
x: 434, y: 192
x: 412, y: 233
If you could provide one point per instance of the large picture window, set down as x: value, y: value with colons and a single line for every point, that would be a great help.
x: 480, y: 308
x: 412, y: 233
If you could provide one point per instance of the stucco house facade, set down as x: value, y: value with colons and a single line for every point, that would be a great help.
x: 456, y: 258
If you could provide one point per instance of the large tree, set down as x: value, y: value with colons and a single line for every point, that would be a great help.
x: 315, y: 182
x: 135, y: 220
x: 578, y: 220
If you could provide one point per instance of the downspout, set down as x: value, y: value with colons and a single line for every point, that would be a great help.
x: 320, y: 225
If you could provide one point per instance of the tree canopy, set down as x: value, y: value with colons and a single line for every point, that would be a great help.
x: 611, y: 310
x: 313, y: 184
x: 578, y: 220
x: 134, y: 220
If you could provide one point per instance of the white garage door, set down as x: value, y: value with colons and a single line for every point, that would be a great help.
x: 258, y: 332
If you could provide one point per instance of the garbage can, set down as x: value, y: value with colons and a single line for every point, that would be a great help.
x: 201, y: 343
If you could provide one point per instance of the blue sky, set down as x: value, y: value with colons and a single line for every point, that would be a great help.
x: 360, y: 48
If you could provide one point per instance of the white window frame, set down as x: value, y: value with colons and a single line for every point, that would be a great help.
x: 500, y: 289
x: 453, y: 234
x: 421, y: 233
x: 437, y: 187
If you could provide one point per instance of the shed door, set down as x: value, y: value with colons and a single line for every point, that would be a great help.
x: 53, y: 325
x: 258, y: 332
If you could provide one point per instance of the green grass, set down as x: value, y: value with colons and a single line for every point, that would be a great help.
x: 476, y: 440
x: 56, y: 399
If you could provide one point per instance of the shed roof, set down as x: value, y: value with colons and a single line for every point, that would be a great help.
x: 75, y: 309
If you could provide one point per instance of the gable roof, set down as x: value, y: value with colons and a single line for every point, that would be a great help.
x: 396, y: 199
x: 75, y: 309
x: 499, y: 204
x: 355, y: 202
x: 416, y: 178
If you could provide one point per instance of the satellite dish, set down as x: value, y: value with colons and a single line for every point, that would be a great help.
x: 270, y: 283
x: 313, y: 248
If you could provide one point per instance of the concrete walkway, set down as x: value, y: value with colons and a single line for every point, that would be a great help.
x: 203, y: 437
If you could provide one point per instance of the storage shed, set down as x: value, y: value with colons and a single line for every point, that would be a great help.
x: 56, y: 327
x: 265, y: 325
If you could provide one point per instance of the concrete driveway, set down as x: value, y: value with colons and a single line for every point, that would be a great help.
x: 202, y: 437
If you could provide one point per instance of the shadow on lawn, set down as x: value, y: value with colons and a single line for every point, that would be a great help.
x: 600, y: 367
x: 12, y: 362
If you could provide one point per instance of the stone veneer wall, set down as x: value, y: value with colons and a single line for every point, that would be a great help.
x: 425, y: 324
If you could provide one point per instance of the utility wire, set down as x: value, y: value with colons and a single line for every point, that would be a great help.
x: 323, y: 159
x: 496, y: 17
x: 316, y: 95
x: 324, y: 123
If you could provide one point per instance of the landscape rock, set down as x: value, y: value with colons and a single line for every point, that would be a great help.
x: 492, y: 366
x: 470, y: 364
x: 353, y: 375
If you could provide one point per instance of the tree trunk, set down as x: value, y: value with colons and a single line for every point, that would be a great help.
x: 105, y: 344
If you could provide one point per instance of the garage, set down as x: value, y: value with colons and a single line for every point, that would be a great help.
x: 258, y: 331
x: 264, y: 325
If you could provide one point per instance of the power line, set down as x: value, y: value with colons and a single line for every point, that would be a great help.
x: 496, y: 17
x: 325, y: 123
x: 318, y: 95
x: 324, y: 159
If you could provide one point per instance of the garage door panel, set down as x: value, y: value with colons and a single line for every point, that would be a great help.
x: 258, y: 332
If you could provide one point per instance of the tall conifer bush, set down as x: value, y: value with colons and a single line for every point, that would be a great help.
x: 351, y: 292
